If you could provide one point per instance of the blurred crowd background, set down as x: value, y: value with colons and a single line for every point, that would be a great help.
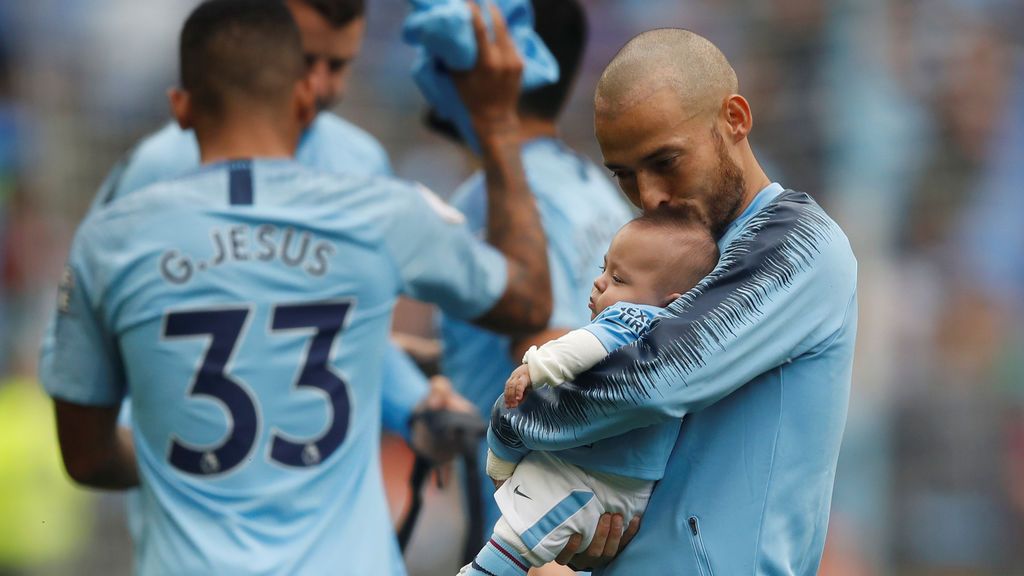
x: 905, y: 118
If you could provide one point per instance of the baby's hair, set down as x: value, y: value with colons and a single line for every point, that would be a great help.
x: 688, y: 232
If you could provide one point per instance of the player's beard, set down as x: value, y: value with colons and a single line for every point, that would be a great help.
x: 727, y: 190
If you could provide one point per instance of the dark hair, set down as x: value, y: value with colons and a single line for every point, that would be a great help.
x: 338, y: 12
x: 240, y: 49
x: 701, y: 254
x: 562, y: 25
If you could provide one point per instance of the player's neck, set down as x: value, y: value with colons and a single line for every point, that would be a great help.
x: 532, y: 127
x: 754, y: 178
x: 245, y: 138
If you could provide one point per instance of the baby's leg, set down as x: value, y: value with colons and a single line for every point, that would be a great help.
x: 547, y: 501
x: 501, y: 556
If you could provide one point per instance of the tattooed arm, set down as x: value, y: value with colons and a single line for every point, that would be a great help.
x: 491, y: 93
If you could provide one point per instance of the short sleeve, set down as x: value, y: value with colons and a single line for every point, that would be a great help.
x: 622, y: 323
x: 440, y: 261
x: 83, y: 365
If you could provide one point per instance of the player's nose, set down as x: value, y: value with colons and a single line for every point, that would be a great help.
x: 651, y: 194
x: 319, y: 77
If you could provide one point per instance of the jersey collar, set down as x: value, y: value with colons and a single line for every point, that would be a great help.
x: 766, y: 195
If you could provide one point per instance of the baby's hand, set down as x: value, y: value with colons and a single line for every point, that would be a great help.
x: 517, y: 385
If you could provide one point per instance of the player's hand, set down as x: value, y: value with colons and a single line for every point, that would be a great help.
x: 609, y: 540
x: 517, y: 385
x: 490, y: 90
x: 442, y: 396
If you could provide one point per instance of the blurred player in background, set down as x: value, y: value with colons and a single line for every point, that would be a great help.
x: 580, y: 209
x: 204, y: 296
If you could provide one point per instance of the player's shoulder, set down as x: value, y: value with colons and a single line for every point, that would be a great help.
x: 383, y: 200
x: 166, y: 153
x: 638, y: 315
x: 169, y: 137
x: 151, y: 200
x: 789, y: 236
x: 622, y: 322
x: 170, y: 151
x: 805, y: 221
x: 332, y: 128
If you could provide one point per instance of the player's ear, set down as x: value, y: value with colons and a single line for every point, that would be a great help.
x: 304, y: 101
x: 181, y: 107
x: 670, y: 299
x: 737, y: 116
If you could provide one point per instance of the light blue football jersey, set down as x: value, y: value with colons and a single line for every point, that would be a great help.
x: 758, y: 357
x: 581, y: 210
x: 245, y: 310
x: 330, y: 144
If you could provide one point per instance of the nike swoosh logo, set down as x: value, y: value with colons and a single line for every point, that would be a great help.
x: 516, y: 490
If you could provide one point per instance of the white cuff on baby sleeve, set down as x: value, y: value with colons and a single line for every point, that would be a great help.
x: 563, y: 358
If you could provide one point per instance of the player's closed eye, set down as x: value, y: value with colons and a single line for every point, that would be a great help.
x: 666, y: 163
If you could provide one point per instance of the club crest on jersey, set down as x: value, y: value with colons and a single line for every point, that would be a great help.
x: 446, y: 211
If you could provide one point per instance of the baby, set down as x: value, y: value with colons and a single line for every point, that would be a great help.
x: 651, y: 261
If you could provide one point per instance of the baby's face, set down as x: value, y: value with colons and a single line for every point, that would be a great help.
x: 633, y: 270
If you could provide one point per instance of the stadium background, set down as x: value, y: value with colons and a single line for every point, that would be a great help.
x: 903, y: 117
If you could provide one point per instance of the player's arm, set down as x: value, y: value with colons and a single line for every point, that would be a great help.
x: 84, y: 375
x: 96, y: 451
x: 768, y: 302
x: 491, y: 93
x: 405, y: 388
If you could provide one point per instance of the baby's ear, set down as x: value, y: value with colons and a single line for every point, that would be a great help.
x: 670, y: 299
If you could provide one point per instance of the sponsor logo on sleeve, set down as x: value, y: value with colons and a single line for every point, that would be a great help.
x: 64, y: 290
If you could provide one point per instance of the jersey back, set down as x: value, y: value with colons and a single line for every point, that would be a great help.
x: 245, y: 310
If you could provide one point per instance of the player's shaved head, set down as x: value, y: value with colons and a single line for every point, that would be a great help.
x: 672, y: 58
x: 240, y: 53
